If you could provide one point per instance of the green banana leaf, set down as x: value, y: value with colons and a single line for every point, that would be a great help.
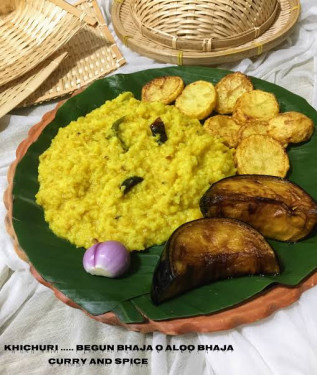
x: 60, y: 263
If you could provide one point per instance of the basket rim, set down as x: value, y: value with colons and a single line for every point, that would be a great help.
x: 202, y: 44
x: 133, y: 39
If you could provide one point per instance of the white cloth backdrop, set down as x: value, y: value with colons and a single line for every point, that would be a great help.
x: 284, y: 343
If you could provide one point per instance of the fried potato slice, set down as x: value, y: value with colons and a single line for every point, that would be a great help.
x: 229, y: 89
x: 224, y: 127
x: 261, y: 154
x: 256, y: 105
x: 163, y: 89
x: 197, y: 100
x: 257, y: 127
x: 291, y: 127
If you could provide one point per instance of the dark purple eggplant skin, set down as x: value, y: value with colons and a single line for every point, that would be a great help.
x: 163, y: 278
x: 205, y: 250
x: 276, y: 207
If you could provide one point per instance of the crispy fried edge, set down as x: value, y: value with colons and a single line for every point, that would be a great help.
x: 308, y: 132
x: 233, y: 140
x: 203, y: 113
x: 265, y: 138
x: 244, y: 79
x: 171, y: 96
x: 239, y: 115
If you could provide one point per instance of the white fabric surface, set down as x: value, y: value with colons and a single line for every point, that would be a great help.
x: 284, y: 343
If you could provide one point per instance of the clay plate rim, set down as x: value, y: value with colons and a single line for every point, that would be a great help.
x: 253, y: 310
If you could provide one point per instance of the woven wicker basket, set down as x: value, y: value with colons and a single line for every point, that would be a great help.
x: 203, y: 25
x: 32, y: 30
x: 127, y: 30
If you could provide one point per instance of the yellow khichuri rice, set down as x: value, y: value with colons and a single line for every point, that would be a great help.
x: 82, y: 172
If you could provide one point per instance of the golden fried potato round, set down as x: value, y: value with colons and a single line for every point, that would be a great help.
x: 223, y: 127
x: 291, y: 127
x: 229, y: 89
x: 197, y: 100
x: 257, y: 127
x: 256, y: 105
x: 261, y: 154
x: 163, y: 89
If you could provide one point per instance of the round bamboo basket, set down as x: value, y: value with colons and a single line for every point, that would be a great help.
x: 32, y: 30
x: 135, y: 37
x: 203, y: 25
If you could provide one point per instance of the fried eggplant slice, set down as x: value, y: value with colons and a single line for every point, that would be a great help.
x: 276, y: 207
x: 255, y: 105
x: 163, y: 89
x: 197, y: 100
x: 229, y: 89
x: 291, y: 127
x: 206, y: 250
x: 261, y: 154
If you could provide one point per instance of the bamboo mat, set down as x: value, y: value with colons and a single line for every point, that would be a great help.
x: 12, y: 94
x: 32, y: 30
x: 92, y: 54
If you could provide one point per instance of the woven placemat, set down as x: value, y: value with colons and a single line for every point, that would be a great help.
x: 92, y: 54
x: 13, y: 93
x: 32, y: 30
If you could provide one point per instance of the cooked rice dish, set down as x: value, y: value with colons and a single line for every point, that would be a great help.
x: 107, y: 176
